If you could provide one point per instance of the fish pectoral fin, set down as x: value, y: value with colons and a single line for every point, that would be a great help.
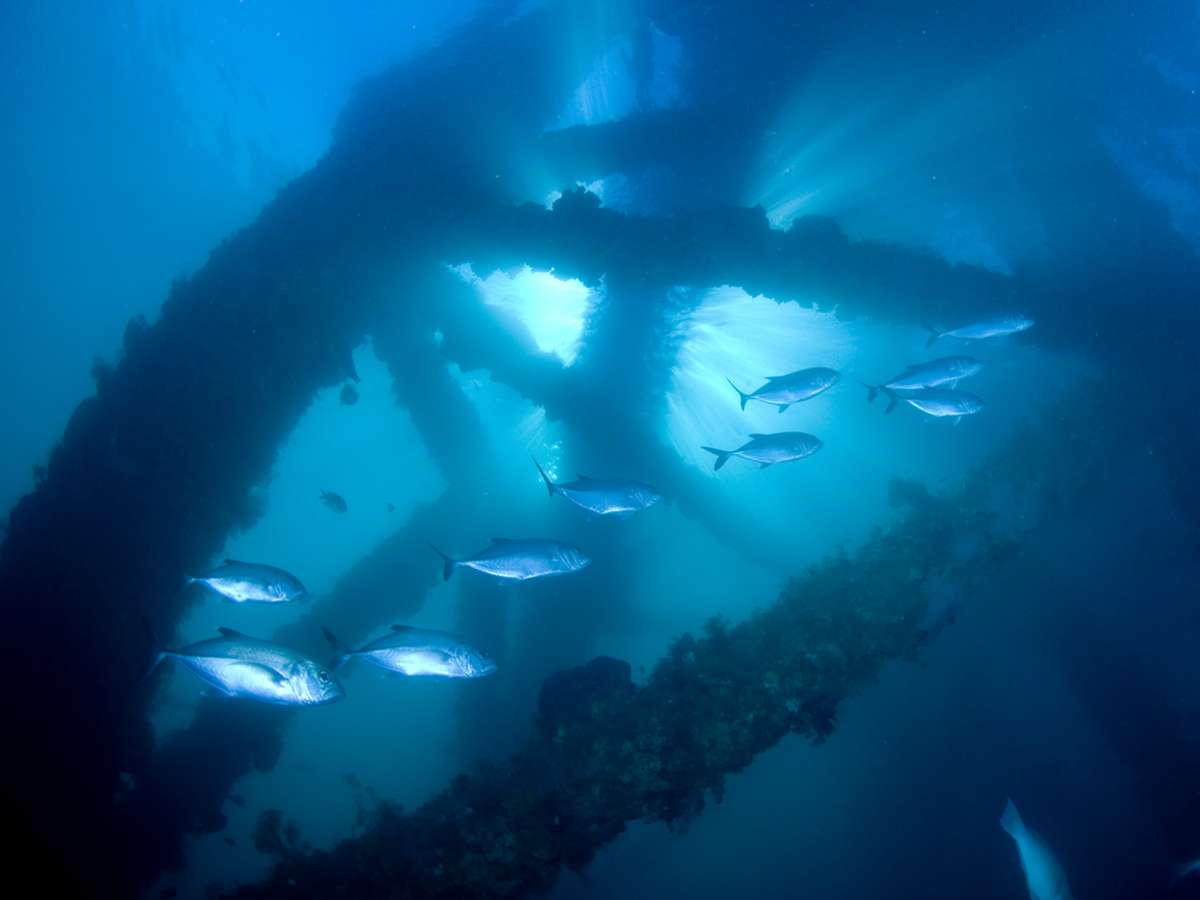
x: 230, y: 632
x: 260, y: 671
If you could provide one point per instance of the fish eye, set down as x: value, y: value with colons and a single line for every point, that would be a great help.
x: 323, y: 677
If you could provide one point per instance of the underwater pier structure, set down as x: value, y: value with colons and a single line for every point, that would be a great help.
x: 606, y: 752
x: 167, y: 459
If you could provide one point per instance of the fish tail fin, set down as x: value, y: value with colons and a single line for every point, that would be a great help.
x: 1010, y: 821
x: 159, y: 654
x: 722, y: 455
x: 742, y: 397
x: 934, y: 334
x: 872, y: 391
x: 343, y: 652
x: 448, y: 563
x: 546, y: 478
x: 891, y: 398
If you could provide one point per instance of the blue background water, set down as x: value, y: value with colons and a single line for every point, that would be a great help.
x: 140, y: 134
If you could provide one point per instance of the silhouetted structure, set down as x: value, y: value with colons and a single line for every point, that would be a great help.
x: 156, y: 469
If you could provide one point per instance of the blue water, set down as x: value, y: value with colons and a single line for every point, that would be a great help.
x: 266, y: 189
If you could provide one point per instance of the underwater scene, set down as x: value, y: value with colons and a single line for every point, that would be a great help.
x: 601, y: 449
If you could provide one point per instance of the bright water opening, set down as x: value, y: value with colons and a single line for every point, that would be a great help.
x: 552, y: 310
x: 732, y: 335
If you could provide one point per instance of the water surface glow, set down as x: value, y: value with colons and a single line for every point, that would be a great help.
x: 552, y: 310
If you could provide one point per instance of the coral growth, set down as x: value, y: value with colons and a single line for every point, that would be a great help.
x: 607, y: 752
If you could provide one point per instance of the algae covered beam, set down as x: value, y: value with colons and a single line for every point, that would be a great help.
x: 607, y: 751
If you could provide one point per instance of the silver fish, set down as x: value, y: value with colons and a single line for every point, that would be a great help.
x: 768, y: 449
x: 947, y: 370
x: 418, y: 651
x: 784, y: 390
x: 982, y: 330
x: 604, y: 498
x: 937, y: 401
x: 520, y: 559
x: 1044, y: 877
x: 245, y: 582
x: 236, y: 665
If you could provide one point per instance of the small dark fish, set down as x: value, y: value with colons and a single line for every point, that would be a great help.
x: 353, y: 781
x: 230, y: 842
x: 391, y: 507
x: 795, y: 387
x: 237, y: 800
x: 349, y: 395
x: 768, y: 449
x: 336, y: 502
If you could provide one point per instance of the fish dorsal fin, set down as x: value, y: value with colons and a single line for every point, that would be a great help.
x: 753, y: 435
x: 501, y: 540
x: 230, y: 632
x: 234, y: 562
x: 583, y: 477
x: 400, y: 629
x: 779, y: 377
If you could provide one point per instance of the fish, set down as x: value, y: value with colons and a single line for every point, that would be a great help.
x: 795, y: 387
x: 245, y: 582
x: 947, y: 370
x: 416, y: 652
x: 1043, y: 875
x: 349, y: 395
x: 236, y: 665
x: 391, y: 507
x: 768, y: 449
x: 520, y: 559
x: 237, y: 800
x: 336, y: 502
x: 1186, y: 871
x: 982, y: 330
x: 937, y: 402
x: 603, y: 498
x: 230, y: 841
